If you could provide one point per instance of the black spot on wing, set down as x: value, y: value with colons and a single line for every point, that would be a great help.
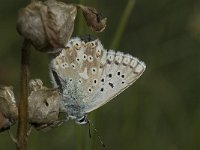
x: 111, y: 85
x: 110, y: 75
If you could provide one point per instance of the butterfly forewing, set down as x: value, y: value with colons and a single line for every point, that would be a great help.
x: 90, y: 76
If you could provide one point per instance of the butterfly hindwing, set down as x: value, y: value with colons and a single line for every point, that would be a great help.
x: 120, y: 71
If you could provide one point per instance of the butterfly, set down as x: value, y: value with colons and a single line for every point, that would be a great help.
x: 88, y: 76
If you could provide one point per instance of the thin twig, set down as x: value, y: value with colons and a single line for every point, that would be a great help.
x: 23, y: 102
x: 122, y: 23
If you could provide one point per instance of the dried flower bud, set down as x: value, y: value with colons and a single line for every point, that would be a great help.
x: 8, y: 108
x: 35, y: 85
x: 94, y: 19
x: 47, y: 24
x: 43, y: 106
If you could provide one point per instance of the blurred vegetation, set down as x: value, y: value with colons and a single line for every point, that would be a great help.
x: 161, y: 111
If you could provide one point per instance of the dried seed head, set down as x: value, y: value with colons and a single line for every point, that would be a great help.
x: 94, y: 19
x: 8, y: 108
x: 43, y: 106
x: 47, y: 24
x: 35, y: 85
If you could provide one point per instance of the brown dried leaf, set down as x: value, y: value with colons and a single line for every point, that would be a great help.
x: 95, y: 21
x: 8, y: 108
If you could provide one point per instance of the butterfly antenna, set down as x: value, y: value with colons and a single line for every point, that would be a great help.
x: 97, y: 133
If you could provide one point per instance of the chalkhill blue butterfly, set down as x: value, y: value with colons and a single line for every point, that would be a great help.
x: 89, y: 76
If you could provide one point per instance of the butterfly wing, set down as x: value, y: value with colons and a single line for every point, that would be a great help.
x: 90, y: 76
x: 120, y: 71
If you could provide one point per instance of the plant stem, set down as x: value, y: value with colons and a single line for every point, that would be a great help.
x: 122, y: 24
x: 23, y: 102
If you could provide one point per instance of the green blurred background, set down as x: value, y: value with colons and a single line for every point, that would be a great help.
x: 161, y: 111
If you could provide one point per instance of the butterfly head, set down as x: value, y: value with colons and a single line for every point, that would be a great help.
x: 82, y: 120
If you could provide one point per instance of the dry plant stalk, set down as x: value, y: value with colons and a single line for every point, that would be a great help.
x: 23, y: 102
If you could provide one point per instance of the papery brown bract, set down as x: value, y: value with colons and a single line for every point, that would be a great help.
x: 95, y: 21
x: 43, y: 106
x: 48, y: 25
x: 8, y: 108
